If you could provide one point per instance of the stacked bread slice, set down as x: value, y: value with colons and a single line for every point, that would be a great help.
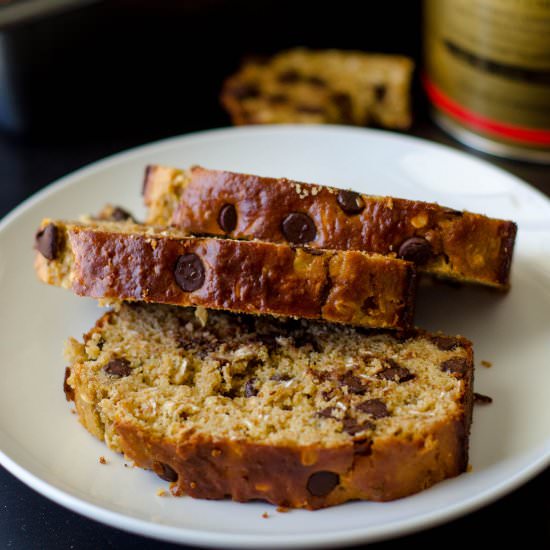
x: 262, y: 343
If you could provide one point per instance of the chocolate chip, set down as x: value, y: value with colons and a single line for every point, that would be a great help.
x: 380, y: 92
x: 353, y: 427
x: 119, y: 214
x: 298, y: 228
x: 250, y: 388
x: 46, y: 242
x: 118, y: 368
x: 166, y: 472
x: 326, y: 412
x: 277, y: 99
x: 353, y: 383
x: 290, y: 76
x: 279, y: 377
x: 316, y: 81
x: 310, y: 109
x: 362, y: 447
x: 343, y: 102
x: 457, y: 366
x: 445, y: 343
x: 322, y: 483
x: 227, y: 218
x: 189, y: 272
x: 482, y: 399
x: 69, y: 391
x: 395, y: 372
x: 350, y: 202
x: 375, y: 407
x: 415, y: 249
x: 244, y: 90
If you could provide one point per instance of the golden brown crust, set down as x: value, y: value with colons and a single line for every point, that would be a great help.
x: 241, y: 276
x: 465, y: 247
x: 390, y: 469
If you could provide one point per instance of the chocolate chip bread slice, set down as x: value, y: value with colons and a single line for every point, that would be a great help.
x: 460, y: 246
x: 125, y: 261
x: 331, y: 86
x: 300, y: 414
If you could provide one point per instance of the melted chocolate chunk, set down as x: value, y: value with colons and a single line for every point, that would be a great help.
x: 350, y: 202
x: 322, y: 483
x: 362, y: 447
x: 415, y: 249
x: 395, y: 372
x: 353, y: 427
x: 353, y: 383
x: 227, y: 218
x: 298, y: 228
x: 167, y: 473
x: 46, y: 242
x: 250, y: 389
x: 189, y: 272
x: 445, y: 343
x: 69, y: 392
x: 327, y: 412
x: 375, y: 407
x: 457, y: 366
x: 280, y: 377
x: 119, y: 215
x: 118, y: 368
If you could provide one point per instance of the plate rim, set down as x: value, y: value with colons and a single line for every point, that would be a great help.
x: 232, y: 540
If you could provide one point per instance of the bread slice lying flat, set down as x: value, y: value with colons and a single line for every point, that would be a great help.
x: 460, y: 246
x: 296, y: 413
x: 123, y: 261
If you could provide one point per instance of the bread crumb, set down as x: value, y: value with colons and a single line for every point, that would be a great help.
x: 282, y: 509
x: 265, y: 515
x: 482, y: 399
x: 202, y: 315
x: 176, y: 490
x: 102, y: 460
x: 161, y: 493
x: 486, y: 364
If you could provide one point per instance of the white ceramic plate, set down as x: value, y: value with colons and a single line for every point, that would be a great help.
x: 43, y: 444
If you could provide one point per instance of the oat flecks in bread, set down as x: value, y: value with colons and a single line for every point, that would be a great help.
x: 460, y: 246
x: 300, y: 414
x: 325, y: 86
x: 124, y: 261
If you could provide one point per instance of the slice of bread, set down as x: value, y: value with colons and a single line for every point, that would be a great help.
x: 460, y: 246
x: 297, y: 413
x: 330, y: 86
x: 124, y: 261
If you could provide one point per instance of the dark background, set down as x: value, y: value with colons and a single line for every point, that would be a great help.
x: 78, y: 85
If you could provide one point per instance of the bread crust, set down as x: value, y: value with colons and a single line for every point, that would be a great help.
x: 465, y: 247
x: 242, y: 276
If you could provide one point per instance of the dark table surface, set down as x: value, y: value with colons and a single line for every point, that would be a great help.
x: 28, y: 520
